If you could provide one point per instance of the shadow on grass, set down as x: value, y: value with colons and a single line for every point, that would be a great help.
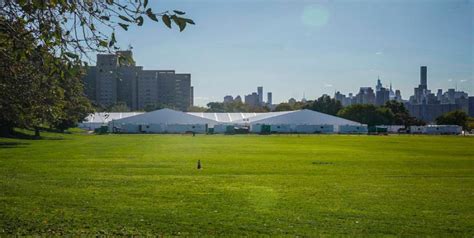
x: 27, y: 135
x: 9, y: 145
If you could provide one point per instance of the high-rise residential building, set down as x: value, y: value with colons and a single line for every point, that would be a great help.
x: 111, y: 82
x: 260, y: 95
x: 269, y: 98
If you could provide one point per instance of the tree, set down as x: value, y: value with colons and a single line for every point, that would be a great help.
x: 470, y: 123
x: 401, y: 115
x: 289, y: 106
x: 157, y: 106
x: 119, y: 107
x: 215, y: 107
x: 197, y: 109
x: 42, y: 44
x: 283, y: 107
x: 71, y: 29
x: 457, y: 117
x: 32, y: 86
x: 325, y: 104
x: 76, y: 105
x: 367, y: 114
x: 234, y: 107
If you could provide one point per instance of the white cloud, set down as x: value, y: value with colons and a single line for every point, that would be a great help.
x: 327, y: 85
x: 379, y: 53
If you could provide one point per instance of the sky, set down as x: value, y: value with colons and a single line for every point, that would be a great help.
x: 295, y: 47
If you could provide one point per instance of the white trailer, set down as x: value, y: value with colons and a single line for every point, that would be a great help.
x: 314, y: 129
x: 353, y: 129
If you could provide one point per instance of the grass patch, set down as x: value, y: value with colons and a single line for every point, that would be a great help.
x: 249, y: 185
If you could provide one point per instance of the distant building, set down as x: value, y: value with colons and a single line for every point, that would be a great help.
x: 228, y: 99
x: 427, y: 106
x: 252, y: 99
x: 471, y: 106
x: 378, y: 86
x: 398, y: 96
x: 269, y: 98
x: 238, y: 99
x: 292, y: 101
x: 423, y: 77
x: 345, y: 101
x: 260, y: 95
x: 382, y: 96
x: 111, y: 82
x: 429, y: 112
x: 366, y: 95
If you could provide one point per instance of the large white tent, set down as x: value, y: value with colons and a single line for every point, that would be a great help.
x: 301, y: 121
x: 171, y: 121
x: 98, y: 119
x: 161, y: 121
x: 302, y: 117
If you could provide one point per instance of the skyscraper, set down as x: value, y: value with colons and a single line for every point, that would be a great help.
x: 379, y: 85
x: 382, y: 96
x: 260, y: 95
x: 423, y: 77
x: 269, y: 98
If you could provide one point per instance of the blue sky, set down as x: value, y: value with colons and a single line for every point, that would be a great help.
x: 311, y: 47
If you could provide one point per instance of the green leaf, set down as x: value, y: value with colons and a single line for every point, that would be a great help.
x: 145, y: 3
x: 188, y: 21
x: 179, y: 12
x: 110, y: 2
x: 140, y: 21
x: 151, y: 15
x: 166, y: 20
x: 105, y: 18
x: 112, y: 39
x: 125, y: 18
x: 124, y: 26
x: 179, y: 21
x: 182, y: 25
x: 103, y: 43
x: 71, y: 55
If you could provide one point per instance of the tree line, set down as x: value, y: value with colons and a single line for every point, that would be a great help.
x: 391, y: 113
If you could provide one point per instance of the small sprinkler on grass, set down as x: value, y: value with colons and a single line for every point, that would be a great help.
x: 199, y: 164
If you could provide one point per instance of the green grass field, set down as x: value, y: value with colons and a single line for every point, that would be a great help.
x: 249, y: 185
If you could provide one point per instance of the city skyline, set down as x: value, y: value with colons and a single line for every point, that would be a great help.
x: 312, y: 47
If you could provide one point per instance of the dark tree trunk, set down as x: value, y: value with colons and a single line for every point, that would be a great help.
x: 37, y: 133
x: 6, y: 130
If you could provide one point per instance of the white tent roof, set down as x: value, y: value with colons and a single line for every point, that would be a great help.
x: 105, y: 117
x: 304, y: 117
x: 168, y: 116
x: 234, y: 117
x: 165, y: 116
x: 262, y: 116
